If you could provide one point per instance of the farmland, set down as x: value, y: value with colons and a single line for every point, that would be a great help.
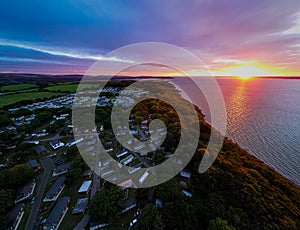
x: 17, y: 87
x: 63, y: 87
x: 14, y: 98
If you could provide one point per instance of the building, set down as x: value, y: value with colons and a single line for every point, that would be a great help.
x: 58, y: 213
x: 80, y: 206
x: 187, y: 193
x: 185, y: 173
x: 33, y: 164
x: 106, y: 171
x: 143, y: 177
x: 128, y: 204
x: 40, y: 134
x: 158, y: 203
x: 61, y: 169
x: 15, y: 217
x: 97, y: 225
x: 135, y: 168
x: 55, y: 190
x: 85, y: 186
x: 121, y: 153
x: 18, y: 123
x: 55, y: 144
x: 127, y: 160
x: 74, y: 142
x: 138, y: 146
x: 126, y: 184
x: 26, y: 191
x: 41, y: 150
x: 87, y: 173
x: 11, y: 128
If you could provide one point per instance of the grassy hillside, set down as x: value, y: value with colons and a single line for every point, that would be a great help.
x: 14, y: 98
x: 63, y: 87
x: 17, y: 87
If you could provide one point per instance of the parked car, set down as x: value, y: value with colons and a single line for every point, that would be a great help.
x: 40, y: 222
x: 32, y: 200
x: 58, y: 162
x: 53, y: 155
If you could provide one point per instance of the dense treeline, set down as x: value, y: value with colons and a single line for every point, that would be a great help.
x: 10, y: 181
x: 237, y: 192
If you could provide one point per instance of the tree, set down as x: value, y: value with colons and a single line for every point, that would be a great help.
x: 77, y: 168
x: 6, y: 203
x: 106, y: 205
x: 72, y: 152
x: 159, y: 156
x: 20, y: 156
x: 151, y: 218
x: 168, y: 191
x: 219, y: 224
x: 16, y: 176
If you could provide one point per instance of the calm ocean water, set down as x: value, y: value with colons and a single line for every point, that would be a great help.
x: 263, y: 117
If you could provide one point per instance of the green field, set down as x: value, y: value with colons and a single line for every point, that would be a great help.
x: 13, y: 98
x: 63, y: 87
x: 17, y: 87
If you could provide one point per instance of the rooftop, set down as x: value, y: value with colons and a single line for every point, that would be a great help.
x: 40, y: 149
x: 56, y: 186
x: 80, y: 205
x: 85, y: 186
x: 55, y: 215
x: 63, y: 167
x: 14, y: 213
x: 33, y: 164
x: 26, y: 188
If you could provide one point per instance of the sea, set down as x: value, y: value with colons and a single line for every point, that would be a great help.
x: 263, y: 117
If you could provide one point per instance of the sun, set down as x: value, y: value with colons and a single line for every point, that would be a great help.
x: 245, y: 77
x: 247, y: 71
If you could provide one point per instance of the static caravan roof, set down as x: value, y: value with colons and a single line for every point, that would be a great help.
x: 55, y: 215
x: 80, y: 206
x: 85, y: 186
x: 56, y: 186
x: 63, y: 167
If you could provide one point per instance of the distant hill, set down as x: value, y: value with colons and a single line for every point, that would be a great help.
x: 27, y: 77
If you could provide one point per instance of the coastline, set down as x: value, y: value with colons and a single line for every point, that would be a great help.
x: 247, y: 149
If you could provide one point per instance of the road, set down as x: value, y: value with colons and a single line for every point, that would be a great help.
x: 45, y: 139
x: 47, y: 165
x: 142, y: 135
x: 141, y: 159
x: 84, y: 221
x: 86, y: 218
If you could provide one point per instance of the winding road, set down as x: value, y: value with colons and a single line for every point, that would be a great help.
x: 48, y: 166
x: 86, y: 218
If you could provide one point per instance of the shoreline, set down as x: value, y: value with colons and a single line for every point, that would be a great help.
x: 247, y: 149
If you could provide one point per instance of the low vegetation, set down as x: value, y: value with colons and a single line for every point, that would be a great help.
x: 63, y: 88
x: 237, y: 192
x: 17, y: 87
x: 10, y: 99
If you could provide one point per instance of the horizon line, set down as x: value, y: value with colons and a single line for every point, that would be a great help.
x: 148, y: 76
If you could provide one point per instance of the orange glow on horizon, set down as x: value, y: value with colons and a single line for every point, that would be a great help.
x: 247, y: 71
x: 243, y: 70
x: 245, y: 77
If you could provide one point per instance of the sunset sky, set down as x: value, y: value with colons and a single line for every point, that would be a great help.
x: 231, y: 37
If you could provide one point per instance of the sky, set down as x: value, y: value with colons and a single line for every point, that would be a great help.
x: 233, y: 38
